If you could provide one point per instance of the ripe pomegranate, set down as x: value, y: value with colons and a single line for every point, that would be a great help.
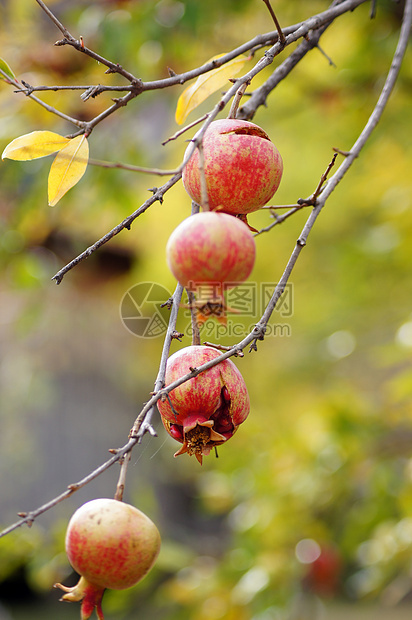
x: 205, y: 411
x: 111, y: 545
x: 211, y: 247
x: 243, y: 168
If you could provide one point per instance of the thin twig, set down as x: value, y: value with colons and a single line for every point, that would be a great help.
x: 282, y: 39
x: 131, y: 167
x: 126, y: 223
x: 314, y: 22
x: 78, y: 44
x: 44, y: 105
x: 237, y: 99
x: 257, y: 333
x: 279, y: 219
x: 186, y: 128
x: 96, y: 89
x: 204, y: 197
x: 138, y: 87
x: 311, y: 41
x: 193, y: 317
x: 302, y: 202
x: 121, y: 483
x: 221, y: 347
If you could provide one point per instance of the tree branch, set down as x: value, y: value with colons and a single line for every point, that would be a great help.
x: 137, y: 87
x: 266, y: 60
x: 142, y: 422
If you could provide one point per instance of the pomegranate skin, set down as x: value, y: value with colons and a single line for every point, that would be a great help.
x: 206, y: 410
x: 243, y: 168
x: 211, y: 247
x: 111, y: 544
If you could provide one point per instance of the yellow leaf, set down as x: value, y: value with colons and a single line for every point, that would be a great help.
x: 205, y: 85
x: 34, y: 145
x: 68, y: 168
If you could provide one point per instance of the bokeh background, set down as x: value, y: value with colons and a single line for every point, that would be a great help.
x: 307, y: 513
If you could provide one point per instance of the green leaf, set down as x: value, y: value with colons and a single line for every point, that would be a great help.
x: 4, y: 67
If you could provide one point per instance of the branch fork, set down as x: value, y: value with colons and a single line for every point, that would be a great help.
x: 142, y: 423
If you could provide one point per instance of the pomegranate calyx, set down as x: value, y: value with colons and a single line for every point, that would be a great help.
x: 200, y: 439
x: 88, y: 593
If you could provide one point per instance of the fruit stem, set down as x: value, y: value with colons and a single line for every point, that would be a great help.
x: 204, y: 198
x: 193, y: 315
x: 122, y: 477
x: 236, y: 99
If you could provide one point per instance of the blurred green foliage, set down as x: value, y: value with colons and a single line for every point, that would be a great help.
x: 326, y: 453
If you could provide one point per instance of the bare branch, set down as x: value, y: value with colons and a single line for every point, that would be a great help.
x: 291, y: 34
x: 282, y: 39
x: 131, y: 167
x: 182, y: 131
x: 44, y: 105
x: 91, y: 90
x: 142, y: 423
x: 78, y: 44
x: 126, y: 223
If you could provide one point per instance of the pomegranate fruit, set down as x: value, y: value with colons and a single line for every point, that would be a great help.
x: 211, y: 247
x: 111, y: 545
x: 243, y: 168
x: 205, y: 411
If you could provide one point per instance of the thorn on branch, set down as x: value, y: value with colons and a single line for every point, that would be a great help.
x: 73, y: 487
x: 259, y: 330
x: 168, y: 304
x: 253, y: 346
x: 29, y: 88
x: 120, y: 101
x: 340, y: 152
x: 154, y: 191
x: 114, y: 68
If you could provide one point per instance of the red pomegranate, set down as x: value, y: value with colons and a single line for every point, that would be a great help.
x: 243, y: 168
x: 211, y: 247
x: 206, y: 410
x: 111, y: 545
